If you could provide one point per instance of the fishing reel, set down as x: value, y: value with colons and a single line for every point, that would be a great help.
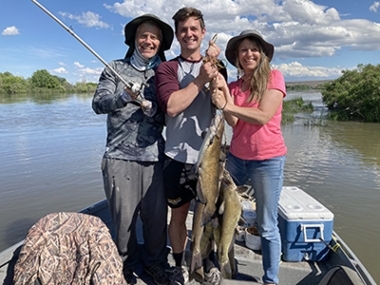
x: 135, y: 87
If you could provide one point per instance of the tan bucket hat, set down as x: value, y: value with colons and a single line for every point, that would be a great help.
x: 131, y: 28
x: 234, y: 41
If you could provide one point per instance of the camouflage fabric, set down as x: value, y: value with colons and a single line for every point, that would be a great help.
x: 69, y: 248
x: 131, y: 135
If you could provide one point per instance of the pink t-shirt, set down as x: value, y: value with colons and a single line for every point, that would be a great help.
x: 253, y: 141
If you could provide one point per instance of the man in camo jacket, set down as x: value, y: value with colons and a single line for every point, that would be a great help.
x: 133, y: 160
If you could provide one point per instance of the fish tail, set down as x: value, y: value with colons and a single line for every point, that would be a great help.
x: 208, y: 214
x: 225, y: 270
x: 196, y: 262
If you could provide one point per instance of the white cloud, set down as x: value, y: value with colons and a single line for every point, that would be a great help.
x: 92, y: 71
x: 60, y: 70
x: 307, y: 12
x: 297, y: 28
x: 10, y: 31
x: 302, y: 31
x: 87, y: 73
x: 89, y: 19
x: 374, y: 7
x: 297, y: 70
x: 78, y: 65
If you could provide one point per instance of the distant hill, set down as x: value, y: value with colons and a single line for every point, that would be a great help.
x: 312, y: 84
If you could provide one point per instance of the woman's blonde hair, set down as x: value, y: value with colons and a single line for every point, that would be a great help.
x: 258, y: 82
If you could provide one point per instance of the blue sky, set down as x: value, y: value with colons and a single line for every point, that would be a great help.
x: 314, y: 40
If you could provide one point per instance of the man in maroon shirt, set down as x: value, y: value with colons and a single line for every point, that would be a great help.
x: 187, y: 103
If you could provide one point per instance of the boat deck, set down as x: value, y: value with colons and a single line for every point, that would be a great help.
x: 248, y: 261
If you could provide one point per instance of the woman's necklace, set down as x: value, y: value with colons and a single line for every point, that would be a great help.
x: 246, y: 82
x: 246, y: 78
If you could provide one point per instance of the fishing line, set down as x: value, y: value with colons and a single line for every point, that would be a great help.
x: 129, y: 85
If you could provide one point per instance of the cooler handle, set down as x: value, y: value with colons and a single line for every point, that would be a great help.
x: 304, y: 228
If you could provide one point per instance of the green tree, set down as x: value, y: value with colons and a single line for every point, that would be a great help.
x: 298, y: 87
x: 355, y: 95
x: 294, y: 106
x: 11, y: 84
x: 85, y: 87
x: 43, y: 79
x: 61, y: 80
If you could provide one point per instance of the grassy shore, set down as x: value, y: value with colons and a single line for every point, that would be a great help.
x: 309, y: 84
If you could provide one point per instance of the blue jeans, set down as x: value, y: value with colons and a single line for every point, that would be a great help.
x: 267, y: 178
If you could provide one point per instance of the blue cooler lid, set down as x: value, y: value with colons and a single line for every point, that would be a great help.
x: 296, y: 204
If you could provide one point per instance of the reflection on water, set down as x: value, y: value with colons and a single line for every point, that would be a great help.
x: 51, y: 152
x: 40, y: 98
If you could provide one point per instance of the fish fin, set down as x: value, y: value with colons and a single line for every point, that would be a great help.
x: 225, y: 270
x: 200, y: 196
x: 197, y: 275
x: 209, y: 213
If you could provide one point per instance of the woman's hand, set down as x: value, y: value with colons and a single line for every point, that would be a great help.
x: 218, y: 99
x: 219, y: 82
x: 218, y: 89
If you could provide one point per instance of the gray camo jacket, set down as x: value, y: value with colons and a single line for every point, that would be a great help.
x: 131, y: 135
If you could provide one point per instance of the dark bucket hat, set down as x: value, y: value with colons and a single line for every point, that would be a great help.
x: 131, y: 28
x: 233, y: 42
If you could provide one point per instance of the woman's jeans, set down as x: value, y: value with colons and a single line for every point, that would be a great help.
x: 267, y: 178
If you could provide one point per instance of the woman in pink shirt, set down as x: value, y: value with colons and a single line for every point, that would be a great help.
x: 252, y: 105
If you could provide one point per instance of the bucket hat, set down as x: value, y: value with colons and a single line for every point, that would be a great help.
x: 233, y: 42
x: 131, y: 28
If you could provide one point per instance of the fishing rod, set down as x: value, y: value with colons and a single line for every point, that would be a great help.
x: 131, y: 85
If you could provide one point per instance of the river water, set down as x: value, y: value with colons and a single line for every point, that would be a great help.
x: 51, y: 149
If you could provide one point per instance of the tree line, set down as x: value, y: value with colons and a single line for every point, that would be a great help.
x: 355, y: 95
x: 41, y: 81
x: 304, y: 86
